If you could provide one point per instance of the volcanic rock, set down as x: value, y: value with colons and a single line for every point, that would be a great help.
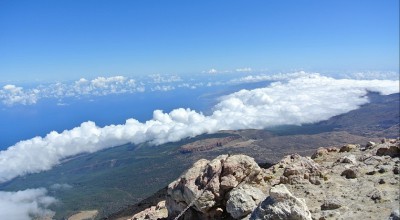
x: 281, y: 204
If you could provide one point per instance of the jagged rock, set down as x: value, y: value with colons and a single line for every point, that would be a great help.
x: 154, y: 212
x: 281, y: 204
x: 299, y: 170
x: 238, y: 167
x: 243, y: 200
x: 208, y: 183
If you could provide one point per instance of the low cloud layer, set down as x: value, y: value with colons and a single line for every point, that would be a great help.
x: 26, y: 204
x: 305, y: 99
x: 11, y: 94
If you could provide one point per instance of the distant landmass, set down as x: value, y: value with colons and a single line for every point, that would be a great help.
x: 113, y: 179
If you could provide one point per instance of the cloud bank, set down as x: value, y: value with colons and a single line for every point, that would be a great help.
x: 23, y: 205
x: 306, y: 99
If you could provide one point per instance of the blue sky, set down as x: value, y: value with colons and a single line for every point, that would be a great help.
x: 68, y: 39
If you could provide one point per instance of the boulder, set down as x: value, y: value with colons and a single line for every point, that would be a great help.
x: 243, y: 200
x: 301, y: 170
x: 391, y: 150
x: 207, y: 186
x: 281, y: 204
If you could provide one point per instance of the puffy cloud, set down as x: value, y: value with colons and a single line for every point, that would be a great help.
x: 11, y: 94
x: 305, y: 99
x: 23, y: 205
x: 102, y: 86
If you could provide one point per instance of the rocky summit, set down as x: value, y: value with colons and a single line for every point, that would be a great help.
x: 346, y: 182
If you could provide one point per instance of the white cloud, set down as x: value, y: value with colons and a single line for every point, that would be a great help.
x: 158, y: 78
x: 11, y: 94
x: 389, y: 75
x: 100, y: 86
x: 187, y: 85
x: 246, y: 69
x: 269, y: 77
x: 305, y: 99
x: 301, y: 100
x: 212, y: 71
x: 163, y: 88
x: 23, y: 205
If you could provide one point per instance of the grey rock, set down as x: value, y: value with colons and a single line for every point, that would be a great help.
x: 330, y: 204
x: 281, y: 204
x: 243, y: 200
x: 351, y: 159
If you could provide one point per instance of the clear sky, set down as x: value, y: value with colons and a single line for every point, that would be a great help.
x: 69, y: 39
